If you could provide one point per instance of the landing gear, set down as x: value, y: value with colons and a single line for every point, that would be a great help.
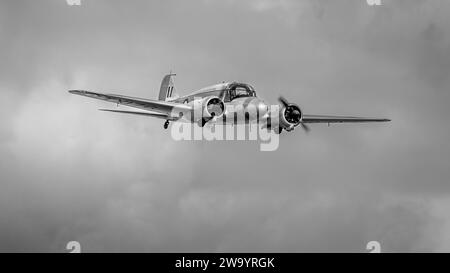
x: 202, y: 122
x: 166, y: 124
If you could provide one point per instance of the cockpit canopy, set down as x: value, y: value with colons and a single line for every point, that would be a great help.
x: 225, y: 91
x: 237, y: 90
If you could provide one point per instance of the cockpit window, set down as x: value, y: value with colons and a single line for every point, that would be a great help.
x: 241, y: 90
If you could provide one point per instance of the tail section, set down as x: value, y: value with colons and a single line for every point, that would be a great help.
x: 167, y: 90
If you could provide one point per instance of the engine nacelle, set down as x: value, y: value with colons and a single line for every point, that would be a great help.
x: 290, y: 116
x: 212, y: 107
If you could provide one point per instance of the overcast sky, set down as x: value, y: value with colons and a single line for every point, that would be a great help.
x: 120, y: 183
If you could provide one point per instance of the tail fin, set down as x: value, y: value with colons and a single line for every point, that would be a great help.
x: 167, y: 89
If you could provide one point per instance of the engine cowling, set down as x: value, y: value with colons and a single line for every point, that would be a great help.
x: 212, y: 107
x: 290, y: 116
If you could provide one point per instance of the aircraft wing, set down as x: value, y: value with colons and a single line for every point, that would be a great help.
x: 163, y: 107
x: 338, y: 119
x: 141, y: 113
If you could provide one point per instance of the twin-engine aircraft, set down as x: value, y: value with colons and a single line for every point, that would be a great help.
x: 224, y: 103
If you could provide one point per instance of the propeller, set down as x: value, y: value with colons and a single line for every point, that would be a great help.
x: 295, y: 113
x: 283, y: 101
x: 305, y: 127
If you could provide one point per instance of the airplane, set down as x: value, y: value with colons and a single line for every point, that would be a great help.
x: 223, y: 103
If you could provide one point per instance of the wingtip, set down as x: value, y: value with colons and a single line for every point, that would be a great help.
x: 74, y: 91
x: 78, y: 92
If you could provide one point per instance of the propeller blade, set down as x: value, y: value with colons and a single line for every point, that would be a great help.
x: 283, y: 101
x: 305, y: 127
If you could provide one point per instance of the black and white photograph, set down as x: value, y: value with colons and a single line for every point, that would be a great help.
x: 224, y: 126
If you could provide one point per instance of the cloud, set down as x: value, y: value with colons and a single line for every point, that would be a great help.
x: 120, y: 183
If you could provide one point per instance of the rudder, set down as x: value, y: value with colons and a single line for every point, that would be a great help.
x: 167, y: 89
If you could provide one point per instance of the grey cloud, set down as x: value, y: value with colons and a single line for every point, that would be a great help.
x: 116, y: 183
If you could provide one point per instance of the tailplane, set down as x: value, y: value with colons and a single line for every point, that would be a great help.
x: 167, y: 90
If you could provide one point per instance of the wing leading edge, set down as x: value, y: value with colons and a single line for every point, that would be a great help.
x: 166, y: 108
x: 339, y: 119
x: 140, y: 113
